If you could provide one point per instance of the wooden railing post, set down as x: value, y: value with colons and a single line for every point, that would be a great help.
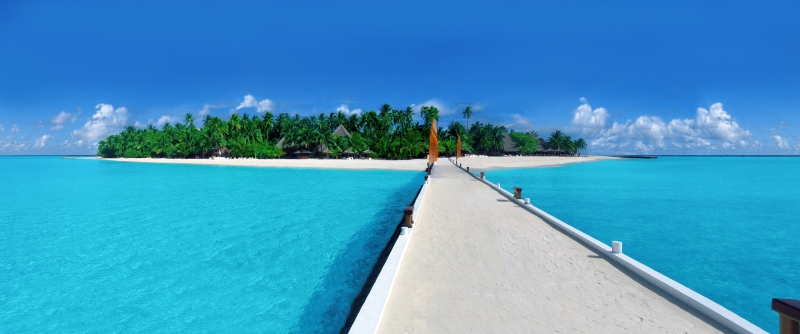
x: 483, y: 177
x: 789, y: 310
x: 409, y: 216
x: 467, y: 168
x: 517, y: 192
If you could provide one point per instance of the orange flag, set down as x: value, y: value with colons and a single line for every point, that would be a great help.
x: 433, y: 148
x: 458, y: 148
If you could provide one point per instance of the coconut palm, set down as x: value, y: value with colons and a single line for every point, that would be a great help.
x: 467, y: 113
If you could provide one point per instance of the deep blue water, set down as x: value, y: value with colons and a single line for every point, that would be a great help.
x: 100, y: 246
x: 726, y: 227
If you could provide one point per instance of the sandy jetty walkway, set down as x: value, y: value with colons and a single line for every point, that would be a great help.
x: 480, y: 264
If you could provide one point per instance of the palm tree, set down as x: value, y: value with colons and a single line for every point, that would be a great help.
x: 467, y: 113
x: 580, y: 144
x: 429, y: 114
x: 556, y: 140
x: 390, y: 133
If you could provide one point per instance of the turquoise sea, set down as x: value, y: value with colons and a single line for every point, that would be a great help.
x: 726, y: 227
x: 100, y: 246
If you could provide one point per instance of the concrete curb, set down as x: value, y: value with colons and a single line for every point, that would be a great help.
x: 371, y: 313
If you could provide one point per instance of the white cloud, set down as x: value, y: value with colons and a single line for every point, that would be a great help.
x: 443, y: 109
x: 207, y: 108
x: 167, y: 119
x: 62, y: 119
x: 716, y: 123
x: 590, y: 120
x: 343, y: 108
x: 711, y: 129
x: 104, y: 121
x: 782, y: 142
x: 2, y: 128
x: 42, y: 141
x: 261, y: 106
x: 14, y: 129
x: 519, y: 123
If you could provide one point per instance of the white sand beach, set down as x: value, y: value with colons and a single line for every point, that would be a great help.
x: 482, y: 164
x: 477, y: 164
x: 416, y: 164
x: 478, y: 263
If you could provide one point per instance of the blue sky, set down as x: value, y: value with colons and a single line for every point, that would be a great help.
x: 630, y: 77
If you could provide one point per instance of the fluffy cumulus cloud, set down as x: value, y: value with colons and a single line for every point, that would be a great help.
x: 261, y: 106
x: 711, y: 128
x: 63, y: 118
x: 344, y: 109
x: 14, y: 129
x: 781, y: 142
x: 590, y: 122
x: 106, y: 120
x: 41, y: 142
x: 166, y: 119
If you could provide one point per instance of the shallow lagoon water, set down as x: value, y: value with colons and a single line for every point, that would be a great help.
x: 726, y: 227
x: 101, y: 246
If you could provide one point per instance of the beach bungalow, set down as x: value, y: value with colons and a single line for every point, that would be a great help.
x: 341, y: 132
x: 302, y: 154
x: 509, y: 148
x: 348, y: 153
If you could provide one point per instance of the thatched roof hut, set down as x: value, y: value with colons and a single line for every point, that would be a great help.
x: 367, y: 152
x: 341, y: 132
x: 280, y: 143
x: 350, y: 152
x: 302, y: 154
x: 508, y: 144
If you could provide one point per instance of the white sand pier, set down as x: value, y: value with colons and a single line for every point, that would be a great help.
x: 479, y: 263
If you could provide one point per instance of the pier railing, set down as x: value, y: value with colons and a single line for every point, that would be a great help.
x: 693, y: 299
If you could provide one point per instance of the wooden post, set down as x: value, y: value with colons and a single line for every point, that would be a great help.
x: 409, y: 216
x: 483, y: 177
x: 789, y: 310
x: 517, y: 192
x: 467, y: 168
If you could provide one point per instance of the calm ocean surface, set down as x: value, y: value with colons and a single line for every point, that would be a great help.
x: 100, y: 246
x: 726, y: 227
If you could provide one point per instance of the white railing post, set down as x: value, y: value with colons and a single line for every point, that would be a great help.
x: 616, y: 247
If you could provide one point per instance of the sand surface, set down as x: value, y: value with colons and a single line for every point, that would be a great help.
x: 416, y: 164
x: 477, y: 164
x: 478, y: 263
x: 482, y: 164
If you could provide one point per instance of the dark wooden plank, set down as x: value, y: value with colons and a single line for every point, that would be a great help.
x: 789, y: 325
x: 788, y: 307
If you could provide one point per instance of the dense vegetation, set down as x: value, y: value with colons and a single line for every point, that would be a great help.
x: 388, y: 133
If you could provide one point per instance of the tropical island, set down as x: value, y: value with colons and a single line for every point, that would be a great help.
x: 388, y: 134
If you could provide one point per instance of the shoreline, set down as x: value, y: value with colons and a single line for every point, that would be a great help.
x: 486, y: 164
x: 478, y: 163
